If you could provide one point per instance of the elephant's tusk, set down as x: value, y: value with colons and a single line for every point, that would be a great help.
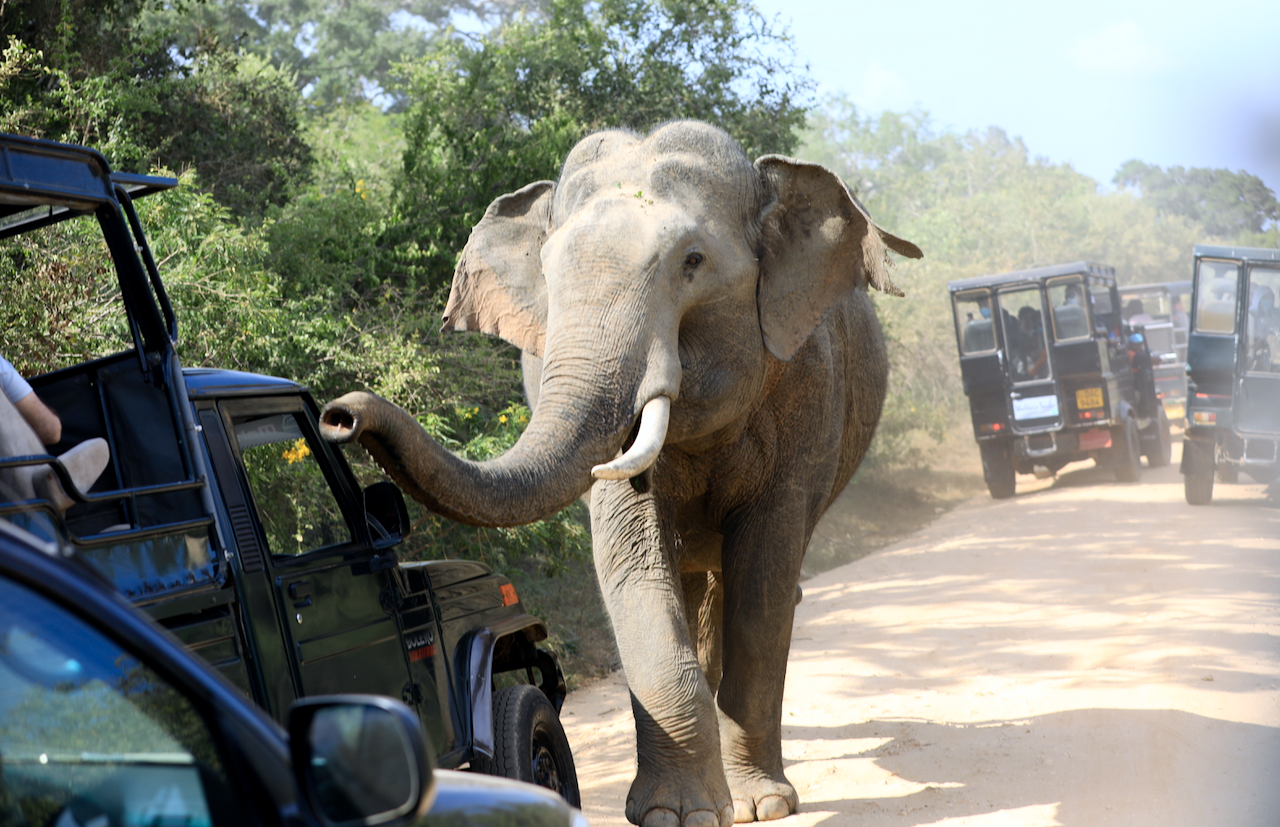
x: 644, y: 451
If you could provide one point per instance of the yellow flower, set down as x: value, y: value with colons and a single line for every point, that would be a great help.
x: 298, y: 452
x: 502, y: 418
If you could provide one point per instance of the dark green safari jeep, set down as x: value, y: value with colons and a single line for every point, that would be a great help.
x: 1233, y: 370
x: 1054, y: 374
x: 223, y: 515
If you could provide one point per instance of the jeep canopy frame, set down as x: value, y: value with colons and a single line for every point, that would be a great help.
x: 43, y: 183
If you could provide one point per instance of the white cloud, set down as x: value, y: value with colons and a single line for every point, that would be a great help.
x: 1118, y: 47
x: 882, y: 88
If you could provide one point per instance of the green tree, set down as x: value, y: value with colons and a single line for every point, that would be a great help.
x: 338, y: 52
x: 491, y: 114
x: 232, y: 116
x: 1230, y: 205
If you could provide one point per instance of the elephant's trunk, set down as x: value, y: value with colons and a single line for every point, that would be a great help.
x: 547, y: 469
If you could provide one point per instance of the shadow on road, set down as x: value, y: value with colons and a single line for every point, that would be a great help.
x: 931, y: 771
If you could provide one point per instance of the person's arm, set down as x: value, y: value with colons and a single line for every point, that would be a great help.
x: 42, y: 420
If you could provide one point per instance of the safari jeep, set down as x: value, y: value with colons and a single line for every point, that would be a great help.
x: 222, y: 514
x: 1233, y: 369
x: 1054, y: 375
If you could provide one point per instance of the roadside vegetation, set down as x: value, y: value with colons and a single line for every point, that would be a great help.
x: 334, y: 157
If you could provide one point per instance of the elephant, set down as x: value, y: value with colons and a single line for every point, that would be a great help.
x: 703, y: 361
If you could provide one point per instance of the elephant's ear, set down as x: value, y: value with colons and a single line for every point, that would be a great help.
x: 498, y: 286
x: 820, y: 243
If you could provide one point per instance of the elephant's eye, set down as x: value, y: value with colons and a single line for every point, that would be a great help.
x: 693, y: 260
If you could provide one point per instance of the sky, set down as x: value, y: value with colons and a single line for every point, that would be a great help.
x: 1090, y: 83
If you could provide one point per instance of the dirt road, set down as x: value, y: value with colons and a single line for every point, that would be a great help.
x: 1085, y: 654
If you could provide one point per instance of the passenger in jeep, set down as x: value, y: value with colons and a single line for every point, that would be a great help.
x: 43, y: 421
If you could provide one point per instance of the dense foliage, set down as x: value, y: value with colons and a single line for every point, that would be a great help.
x: 493, y: 114
x: 1228, y: 204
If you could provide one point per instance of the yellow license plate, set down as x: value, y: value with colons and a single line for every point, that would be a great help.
x: 1087, y: 398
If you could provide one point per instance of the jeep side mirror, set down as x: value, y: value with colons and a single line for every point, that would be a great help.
x: 386, y: 512
x: 360, y: 760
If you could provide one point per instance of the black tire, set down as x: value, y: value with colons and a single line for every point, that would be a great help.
x: 1197, y: 471
x: 1198, y: 488
x: 1160, y: 450
x: 997, y: 470
x: 529, y: 743
x: 1125, y: 456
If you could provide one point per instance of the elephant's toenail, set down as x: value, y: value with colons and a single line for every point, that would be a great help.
x: 772, y: 807
x: 743, y: 811
x: 726, y: 816
x: 661, y: 817
x: 702, y: 818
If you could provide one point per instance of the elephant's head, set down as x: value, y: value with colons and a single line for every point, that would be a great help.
x: 659, y: 275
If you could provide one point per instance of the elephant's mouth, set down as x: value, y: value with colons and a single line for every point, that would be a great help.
x: 650, y: 434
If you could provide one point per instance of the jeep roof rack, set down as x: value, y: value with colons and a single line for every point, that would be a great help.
x: 43, y: 182
x: 1087, y: 268
x: 1248, y: 253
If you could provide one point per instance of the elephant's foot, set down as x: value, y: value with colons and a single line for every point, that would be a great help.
x: 759, y: 798
x: 678, y: 800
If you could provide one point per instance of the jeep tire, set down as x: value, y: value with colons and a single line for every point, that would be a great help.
x: 1197, y: 471
x: 529, y: 743
x: 1125, y: 457
x: 997, y: 469
x: 1159, y: 447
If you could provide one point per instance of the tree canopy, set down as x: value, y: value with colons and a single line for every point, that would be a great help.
x: 1227, y: 203
x: 491, y: 114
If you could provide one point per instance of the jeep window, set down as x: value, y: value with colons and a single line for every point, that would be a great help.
x: 65, y: 271
x: 973, y: 320
x: 295, y: 504
x: 1262, y: 323
x: 1216, y: 296
x: 1070, y: 316
x: 90, y: 735
x: 1024, y: 334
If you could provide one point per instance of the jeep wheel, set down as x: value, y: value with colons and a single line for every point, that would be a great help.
x: 997, y: 470
x: 529, y: 743
x: 1198, y: 488
x: 1197, y: 470
x: 1124, y: 453
x: 1160, y: 449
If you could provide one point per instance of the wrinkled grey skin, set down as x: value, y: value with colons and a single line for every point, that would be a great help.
x: 672, y: 266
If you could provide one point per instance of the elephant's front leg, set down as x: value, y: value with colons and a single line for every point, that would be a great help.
x: 679, y: 776
x: 762, y: 556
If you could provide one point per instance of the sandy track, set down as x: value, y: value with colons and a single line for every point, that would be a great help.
x: 1085, y: 654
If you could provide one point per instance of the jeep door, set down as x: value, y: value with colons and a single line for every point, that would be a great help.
x: 334, y: 595
x: 1258, y: 400
x: 1213, y: 346
x: 1033, y: 392
x: 981, y: 362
